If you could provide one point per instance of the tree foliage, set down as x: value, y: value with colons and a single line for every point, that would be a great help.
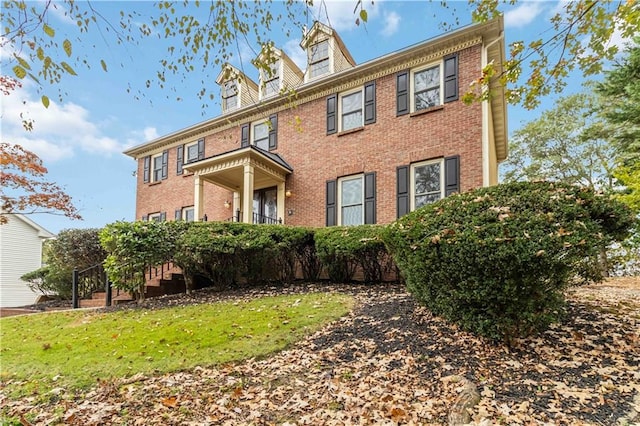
x: 203, y: 35
x: 566, y: 144
x: 24, y: 189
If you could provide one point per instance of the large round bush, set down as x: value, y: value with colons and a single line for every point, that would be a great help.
x: 496, y: 260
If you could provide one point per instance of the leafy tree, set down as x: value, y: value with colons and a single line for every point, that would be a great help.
x: 23, y: 189
x: 203, y: 35
x: 621, y: 106
x: 565, y: 144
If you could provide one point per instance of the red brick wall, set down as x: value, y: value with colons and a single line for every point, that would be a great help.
x: 455, y: 129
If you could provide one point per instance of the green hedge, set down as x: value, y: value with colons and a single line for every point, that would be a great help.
x: 496, y: 260
x: 342, y: 250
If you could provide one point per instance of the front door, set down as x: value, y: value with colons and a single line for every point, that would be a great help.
x: 265, y: 205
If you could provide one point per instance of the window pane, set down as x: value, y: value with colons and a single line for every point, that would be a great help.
x: 352, y: 121
x: 261, y: 136
x: 422, y: 200
x: 230, y: 102
x: 192, y: 153
x: 352, y: 215
x: 427, y: 178
x: 352, y: 102
x: 319, y: 68
x: 319, y: 51
x: 188, y: 215
x: 272, y: 87
x: 427, y: 79
x: 271, y: 204
x: 427, y: 98
x: 229, y: 89
x: 351, y: 192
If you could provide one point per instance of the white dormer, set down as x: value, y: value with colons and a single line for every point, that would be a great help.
x: 236, y: 89
x: 277, y: 72
x: 326, y: 53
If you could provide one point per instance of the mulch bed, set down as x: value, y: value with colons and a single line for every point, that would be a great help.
x: 390, y: 362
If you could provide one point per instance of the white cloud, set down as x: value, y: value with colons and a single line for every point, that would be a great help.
x: 60, y: 131
x: 391, y: 23
x: 523, y: 15
x: 294, y: 51
x: 339, y: 14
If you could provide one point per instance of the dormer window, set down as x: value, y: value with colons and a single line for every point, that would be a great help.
x: 229, y: 95
x: 271, y: 80
x: 319, y: 59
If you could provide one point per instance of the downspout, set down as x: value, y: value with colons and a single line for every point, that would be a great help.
x: 485, y: 117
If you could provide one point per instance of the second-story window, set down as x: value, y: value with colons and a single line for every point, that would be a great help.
x: 157, y: 168
x: 260, y: 135
x: 426, y: 88
x: 192, y: 153
x: 351, y: 110
x: 230, y: 96
x: 319, y: 59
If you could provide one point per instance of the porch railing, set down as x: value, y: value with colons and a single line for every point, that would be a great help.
x: 256, y: 219
x: 87, y: 281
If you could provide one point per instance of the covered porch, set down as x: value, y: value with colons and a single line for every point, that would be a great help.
x: 255, y: 176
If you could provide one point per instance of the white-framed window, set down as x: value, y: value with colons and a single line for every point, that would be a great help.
x: 156, y: 164
x: 351, y: 200
x: 319, y: 62
x: 155, y: 217
x: 260, y: 134
x: 188, y: 214
x: 351, y: 107
x: 426, y: 87
x: 230, y: 99
x: 427, y: 182
x: 191, y: 153
x: 271, y: 80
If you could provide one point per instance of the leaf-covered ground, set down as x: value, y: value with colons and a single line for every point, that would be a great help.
x: 391, y: 362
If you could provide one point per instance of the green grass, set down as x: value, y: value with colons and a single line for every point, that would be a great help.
x: 73, y: 349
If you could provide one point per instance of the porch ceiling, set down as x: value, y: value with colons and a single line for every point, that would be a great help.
x: 228, y: 169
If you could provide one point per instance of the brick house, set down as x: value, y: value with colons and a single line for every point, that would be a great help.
x: 338, y: 144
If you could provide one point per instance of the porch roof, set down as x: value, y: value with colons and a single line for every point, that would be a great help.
x: 227, y: 169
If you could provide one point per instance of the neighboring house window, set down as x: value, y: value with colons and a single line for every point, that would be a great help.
x: 426, y: 182
x: 351, y: 200
x: 260, y: 135
x: 229, y: 95
x: 351, y: 107
x: 185, y: 213
x: 271, y: 80
x: 319, y: 59
x: 426, y: 87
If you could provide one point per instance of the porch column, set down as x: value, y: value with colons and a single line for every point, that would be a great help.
x: 247, y: 193
x: 198, y: 204
x: 281, y: 200
x: 237, y: 202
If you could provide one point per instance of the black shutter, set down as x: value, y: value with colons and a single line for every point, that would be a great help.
x: 331, y: 203
x: 331, y: 114
x: 147, y: 169
x: 273, y: 132
x: 451, y: 175
x: 178, y: 215
x: 165, y: 164
x: 145, y: 218
x: 244, y: 135
x: 370, y: 103
x: 200, y: 149
x: 451, y: 78
x: 180, y: 159
x: 370, y: 198
x: 402, y: 190
x: 402, y: 93
x: 163, y: 216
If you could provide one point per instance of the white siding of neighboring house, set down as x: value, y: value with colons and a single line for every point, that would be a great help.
x: 20, y: 252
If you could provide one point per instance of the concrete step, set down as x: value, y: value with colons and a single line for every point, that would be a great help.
x: 91, y: 303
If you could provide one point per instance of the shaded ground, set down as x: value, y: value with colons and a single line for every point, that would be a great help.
x: 390, y: 362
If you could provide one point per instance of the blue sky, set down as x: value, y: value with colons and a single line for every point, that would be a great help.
x: 81, y: 139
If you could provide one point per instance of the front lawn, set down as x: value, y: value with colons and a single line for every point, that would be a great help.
x: 74, y: 349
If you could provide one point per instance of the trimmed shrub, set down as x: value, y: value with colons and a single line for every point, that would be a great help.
x: 496, y: 260
x: 342, y: 250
